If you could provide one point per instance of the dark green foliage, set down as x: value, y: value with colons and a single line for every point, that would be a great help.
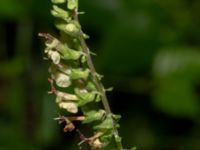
x: 127, y: 36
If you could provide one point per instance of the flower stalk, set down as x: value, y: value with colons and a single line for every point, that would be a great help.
x: 75, y: 82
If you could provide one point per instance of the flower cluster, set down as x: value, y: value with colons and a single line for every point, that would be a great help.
x: 73, y: 81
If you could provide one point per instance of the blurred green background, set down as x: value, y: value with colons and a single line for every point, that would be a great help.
x: 148, y: 50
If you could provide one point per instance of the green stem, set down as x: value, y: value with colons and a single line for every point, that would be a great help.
x: 100, y: 88
x: 98, y: 83
x: 93, y: 72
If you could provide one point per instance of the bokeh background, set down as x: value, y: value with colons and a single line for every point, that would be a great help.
x: 148, y: 50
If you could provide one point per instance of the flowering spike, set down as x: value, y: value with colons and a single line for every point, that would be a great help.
x: 72, y: 68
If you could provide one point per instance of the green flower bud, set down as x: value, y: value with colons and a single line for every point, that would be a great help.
x: 80, y: 73
x: 107, y: 124
x: 66, y: 52
x: 58, y: 1
x: 72, y: 4
x: 98, y: 98
x: 93, y: 116
x: 90, y: 86
x: 54, y: 56
x: 70, y: 54
x: 69, y: 106
x: 60, y: 13
x: 61, y: 96
x: 83, y: 59
x: 72, y: 29
x: 107, y: 137
x: 84, y: 96
x: 62, y: 80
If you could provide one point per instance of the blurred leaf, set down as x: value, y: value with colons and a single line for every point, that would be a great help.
x: 176, y: 72
x: 13, y: 68
x: 12, y: 138
x: 13, y: 8
x: 48, y: 131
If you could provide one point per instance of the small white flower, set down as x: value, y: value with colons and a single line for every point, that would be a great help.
x: 66, y: 96
x: 54, y: 56
x: 69, y: 106
x: 54, y: 43
x: 62, y: 80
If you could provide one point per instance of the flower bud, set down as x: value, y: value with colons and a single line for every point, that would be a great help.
x: 60, y: 13
x: 70, y: 54
x: 107, y: 124
x: 69, y: 106
x: 72, y: 29
x: 72, y: 4
x: 62, y: 80
x: 80, y: 73
x: 85, y: 96
x: 94, y: 116
x: 90, y: 86
x: 83, y: 59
